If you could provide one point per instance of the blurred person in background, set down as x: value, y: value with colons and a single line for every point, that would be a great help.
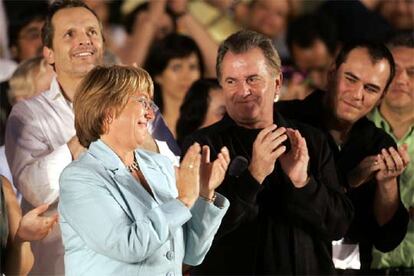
x: 16, y: 231
x: 399, y: 13
x: 312, y: 43
x: 31, y: 77
x: 151, y: 21
x: 202, y: 106
x: 174, y: 63
x: 395, y: 115
x: 271, y: 19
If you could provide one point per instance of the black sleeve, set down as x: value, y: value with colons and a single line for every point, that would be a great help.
x: 241, y: 191
x: 321, y: 207
x: 365, y: 228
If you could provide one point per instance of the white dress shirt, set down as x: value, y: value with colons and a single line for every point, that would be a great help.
x: 36, y: 136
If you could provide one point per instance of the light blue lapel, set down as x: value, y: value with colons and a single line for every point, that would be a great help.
x: 155, y: 176
x: 129, y: 194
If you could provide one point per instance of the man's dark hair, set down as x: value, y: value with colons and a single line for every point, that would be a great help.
x: 306, y: 29
x: 376, y: 51
x: 243, y: 41
x: 48, y: 30
x: 20, y: 17
x: 405, y: 39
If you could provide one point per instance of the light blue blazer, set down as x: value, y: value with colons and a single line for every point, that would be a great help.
x: 112, y: 226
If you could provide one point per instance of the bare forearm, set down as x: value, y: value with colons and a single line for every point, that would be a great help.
x: 207, y: 45
x: 137, y: 46
x: 386, y: 201
x: 19, y: 259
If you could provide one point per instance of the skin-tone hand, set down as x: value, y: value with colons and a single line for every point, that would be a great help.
x: 212, y: 173
x: 188, y: 176
x: 384, y: 166
x: 295, y: 162
x: 75, y: 147
x: 266, y: 150
x: 178, y: 6
x: 364, y: 171
x: 33, y: 226
x: 392, y: 163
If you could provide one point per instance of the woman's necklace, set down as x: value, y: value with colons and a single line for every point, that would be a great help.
x: 133, y: 167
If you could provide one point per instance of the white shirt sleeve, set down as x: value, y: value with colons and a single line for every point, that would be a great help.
x: 34, y: 160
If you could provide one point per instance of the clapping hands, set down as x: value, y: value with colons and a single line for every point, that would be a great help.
x: 385, y: 166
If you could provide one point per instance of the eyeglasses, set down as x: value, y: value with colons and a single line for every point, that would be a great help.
x: 146, y: 103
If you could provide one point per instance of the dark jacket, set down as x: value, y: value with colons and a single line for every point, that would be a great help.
x: 275, y: 228
x: 364, y: 139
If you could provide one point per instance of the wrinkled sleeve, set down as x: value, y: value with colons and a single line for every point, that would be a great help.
x: 322, y: 206
x: 90, y: 209
x: 241, y: 191
x: 34, y: 164
x: 200, y: 230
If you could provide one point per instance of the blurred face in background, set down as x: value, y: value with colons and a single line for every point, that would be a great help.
x: 400, y: 97
x: 268, y: 17
x: 216, y: 107
x: 29, y: 41
x: 178, y: 76
x: 313, y: 61
x: 399, y: 13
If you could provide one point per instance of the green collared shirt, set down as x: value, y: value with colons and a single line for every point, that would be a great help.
x: 403, y: 255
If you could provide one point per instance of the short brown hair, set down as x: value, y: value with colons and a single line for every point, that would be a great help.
x: 105, y: 89
x: 245, y: 40
x: 48, y: 30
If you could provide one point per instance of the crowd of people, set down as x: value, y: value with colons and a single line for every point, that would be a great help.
x: 169, y: 137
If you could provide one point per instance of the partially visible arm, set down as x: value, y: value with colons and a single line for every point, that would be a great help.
x: 34, y: 164
x: 190, y: 26
x: 391, y: 164
x: 19, y: 256
x: 136, y: 47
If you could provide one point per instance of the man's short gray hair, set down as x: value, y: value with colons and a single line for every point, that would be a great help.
x: 245, y: 40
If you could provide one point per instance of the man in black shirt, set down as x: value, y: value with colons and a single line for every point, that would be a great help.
x: 286, y: 203
x: 367, y: 158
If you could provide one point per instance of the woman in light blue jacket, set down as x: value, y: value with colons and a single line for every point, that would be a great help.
x: 122, y: 210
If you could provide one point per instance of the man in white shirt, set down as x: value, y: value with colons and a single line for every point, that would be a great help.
x: 40, y: 135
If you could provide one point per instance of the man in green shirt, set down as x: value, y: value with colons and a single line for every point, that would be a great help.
x: 396, y: 116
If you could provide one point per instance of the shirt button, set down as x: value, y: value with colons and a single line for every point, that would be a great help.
x: 170, y: 273
x: 170, y: 255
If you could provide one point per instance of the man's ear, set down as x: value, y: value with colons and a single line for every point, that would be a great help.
x: 278, y: 86
x: 49, y: 55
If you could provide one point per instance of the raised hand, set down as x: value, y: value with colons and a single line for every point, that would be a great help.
x: 33, y: 226
x: 188, y: 176
x: 392, y: 163
x: 212, y: 173
x: 364, y: 171
x: 295, y: 162
x: 266, y: 149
